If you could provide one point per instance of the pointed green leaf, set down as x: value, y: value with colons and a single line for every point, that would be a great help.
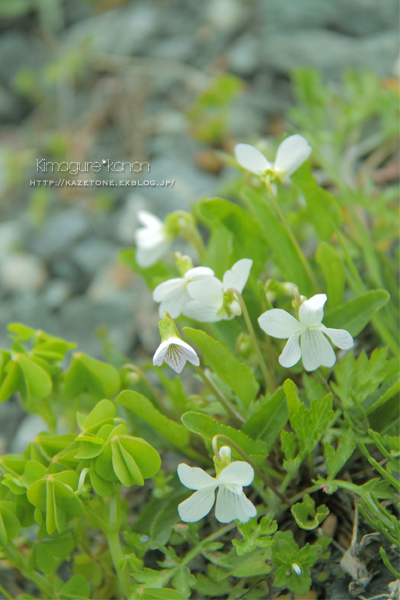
x: 355, y: 314
x: 332, y: 267
x: 269, y: 420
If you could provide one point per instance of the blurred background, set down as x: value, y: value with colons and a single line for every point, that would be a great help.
x: 175, y: 83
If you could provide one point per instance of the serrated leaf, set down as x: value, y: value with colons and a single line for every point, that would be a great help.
x: 309, y: 425
x: 230, y: 370
x: 336, y: 459
x: 305, y: 514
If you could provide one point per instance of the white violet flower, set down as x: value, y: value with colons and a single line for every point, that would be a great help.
x: 231, y: 502
x: 173, y: 293
x: 175, y: 352
x: 210, y: 299
x: 151, y: 240
x: 306, y: 336
x: 292, y: 152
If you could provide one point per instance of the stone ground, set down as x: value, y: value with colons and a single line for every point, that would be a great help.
x: 137, y: 68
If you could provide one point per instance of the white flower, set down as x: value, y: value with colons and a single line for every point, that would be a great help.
x: 173, y: 293
x: 231, y: 502
x: 151, y: 240
x: 292, y: 152
x: 314, y: 348
x: 175, y: 352
x: 211, y: 302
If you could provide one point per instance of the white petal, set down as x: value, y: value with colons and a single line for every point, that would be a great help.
x: 316, y: 351
x: 148, y: 238
x: 237, y: 473
x: 292, y: 153
x: 238, y: 275
x: 201, y: 312
x: 195, y: 478
x: 191, y: 354
x: 147, y: 257
x: 174, y: 303
x: 148, y: 219
x: 291, y: 353
x: 279, y: 323
x: 208, y: 291
x: 198, y: 273
x: 162, y: 291
x: 340, y: 337
x: 231, y: 506
x: 160, y: 353
x: 197, y: 506
x: 311, y: 312
x: 178, y: 352
x: 251, y: 158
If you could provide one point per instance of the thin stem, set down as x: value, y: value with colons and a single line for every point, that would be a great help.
x: 154, y: 392
x: 290, y: 234
x: 112, y: 533
x: 247, y: 459
x: 221, y: 399
x: 269, y: 380
x: 311, y: 469
x: 16, y: 561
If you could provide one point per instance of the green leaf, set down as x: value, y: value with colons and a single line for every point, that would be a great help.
x: 333, y: 270
x: 276, y: 237
x: 255, y: 535
x: 309, y: 425
x: 302, y: 511
x: 9, y: 524
x: 143, y: 408
x: 355, y: 314
x: 22, y: 332
x: 77, y: 588
x: 322, y: 205
x: 285, y: 554
x: 336, y: 459
x: 87, y: 374
x: 161, y: 594
x: 184, y: 581
x: 248, y: 240
x: 207, y: 427
x: 37, y: 380
x: 252, y: 566
x: 230, y: 370
x: 102, y: 414
x: 268, y: 421
x: 219, y: 254
x: 292, y: 397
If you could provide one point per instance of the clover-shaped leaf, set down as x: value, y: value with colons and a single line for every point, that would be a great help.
x: 24, y: 375
x: 9, y: 524
x: 87, y: 374
x: 54, y: 495
x: 305, y: 514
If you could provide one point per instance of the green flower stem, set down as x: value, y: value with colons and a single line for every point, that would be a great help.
x: 219, y: 396
x: 290, y: 234
x: 197, y: 242
x: 112, y: 533
x: 16, y: 561
x: 247, y: 458
x: 268, y: 377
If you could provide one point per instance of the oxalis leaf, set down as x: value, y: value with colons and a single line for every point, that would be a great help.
x: 87, y: 374
x: 305, y: 514
x: 355, y: 314
x: 207, y: 427
x: 230, y: 370
x: 143, y: 408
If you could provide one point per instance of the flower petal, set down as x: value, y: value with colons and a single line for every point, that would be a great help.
x: 292, y: 153
x: 231, y: 506
x: 175, y: 357
x: 209, y: 291
x: 279, y: 323
x: 316, y: 351
x: 238, y: 275
x: 198, y: 273
x: 291, y: 353
x: 197, y: 506
x: 160, y: 353
x: 190, y: 353
x: 311, y: 312
x: 238, y: 473
x: 174, y: 303
x: 251, y: 158
x: 201, y: 312
x: 162, y: 291
x: 195, y: 478
x: 148, y: 219
x: 340, y: 337
x: 145, y: 257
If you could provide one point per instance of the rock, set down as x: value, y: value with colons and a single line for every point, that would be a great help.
x: 10, y: 236
x: 11, y: 414
x: 19, y: 50
x: 330, y: 52
x: 22, y: 272
x: 178, y: 47
x: 60, y: 233
x: 92, y: 253
x: 114, y: 282
x: 57, y: 292
x: 225, y: 15
x: 243, y: 55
